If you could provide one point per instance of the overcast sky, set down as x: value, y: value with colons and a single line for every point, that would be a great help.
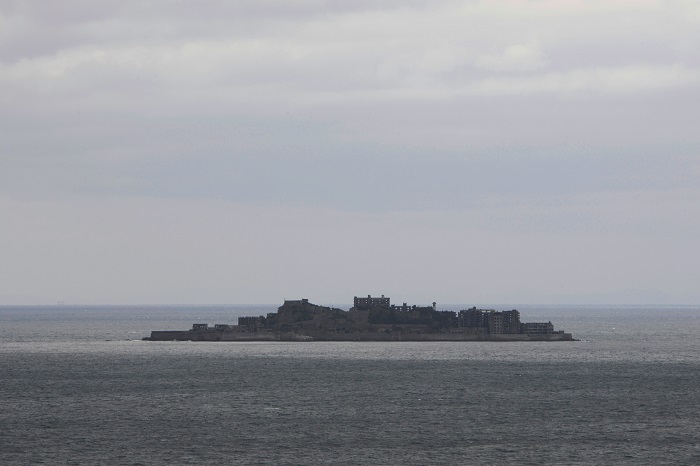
x: 250, y: 151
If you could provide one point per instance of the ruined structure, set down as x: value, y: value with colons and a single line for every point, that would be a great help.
x: 371, y: 319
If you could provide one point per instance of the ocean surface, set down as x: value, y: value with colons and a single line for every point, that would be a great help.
x: 79, y: 386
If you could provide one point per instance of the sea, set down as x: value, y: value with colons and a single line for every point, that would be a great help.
x: 78, y: 385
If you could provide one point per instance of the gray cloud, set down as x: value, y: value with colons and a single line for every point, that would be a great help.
x: 529, y: 128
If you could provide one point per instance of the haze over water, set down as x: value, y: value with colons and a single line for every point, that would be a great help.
x: 80, y: 387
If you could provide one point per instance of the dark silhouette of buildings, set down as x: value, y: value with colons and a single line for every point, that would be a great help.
x: 369, y: 302
x: 372, y: 319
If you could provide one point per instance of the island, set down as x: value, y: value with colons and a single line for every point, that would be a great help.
x: 371, y: 319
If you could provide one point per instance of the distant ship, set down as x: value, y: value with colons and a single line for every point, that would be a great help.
x: 371, y: 319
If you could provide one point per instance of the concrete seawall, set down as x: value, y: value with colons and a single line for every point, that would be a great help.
x: 223, y: 335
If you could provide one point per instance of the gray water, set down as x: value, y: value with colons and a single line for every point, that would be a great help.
x: 78, y: 386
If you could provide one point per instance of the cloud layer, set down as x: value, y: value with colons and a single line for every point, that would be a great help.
x: 556, y: 134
